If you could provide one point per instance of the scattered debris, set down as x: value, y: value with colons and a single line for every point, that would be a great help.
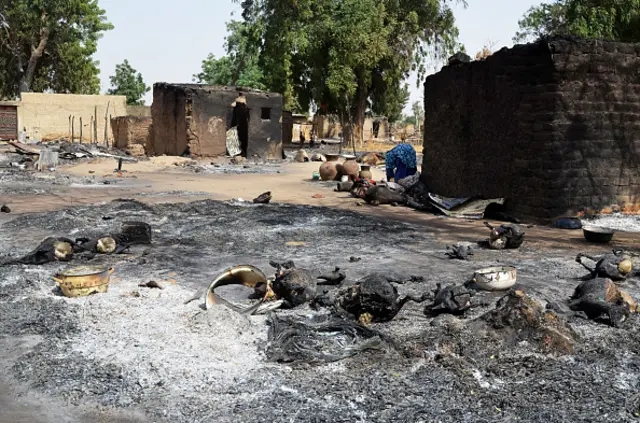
x: 616, y: 266
x: 135, y: 233
x: 5, y: 209
x: 302, y: 156
x: 263, y: 198
x: 600, y: 296
x: 354, y: 259
x: 517, y: 318
x: 509, y: 236
x: 454, y: 299
x: 318, y: 157
x: 459, y: 251
x: 151, y: 284
x: 326, y: 340
x: 333, y: 278
x: 294, y: 286
x: 317, y: 196
x: 374, y: 299
x: 50, y: 249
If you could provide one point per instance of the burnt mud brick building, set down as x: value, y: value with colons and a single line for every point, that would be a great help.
x: 194, y: 119
x: 552, y: 126
x: 131, y: 134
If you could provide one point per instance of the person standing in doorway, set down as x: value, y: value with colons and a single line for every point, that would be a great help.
x: 401, y: 161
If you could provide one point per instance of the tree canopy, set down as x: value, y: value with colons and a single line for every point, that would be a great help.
x: 347, y: 57
x: 239, y: 67
x: 617, y: 20
x: 128, y: 82
x: 49, y: 44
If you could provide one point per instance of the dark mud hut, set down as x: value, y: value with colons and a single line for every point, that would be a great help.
x: 194, y: 119
x: 552, y: 126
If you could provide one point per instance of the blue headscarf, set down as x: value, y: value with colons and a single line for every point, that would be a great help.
x: 401, y: 156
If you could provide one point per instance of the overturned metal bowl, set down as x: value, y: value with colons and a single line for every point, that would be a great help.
x: 495, y: 278
x: 244, y: 275
x: 600, y: 235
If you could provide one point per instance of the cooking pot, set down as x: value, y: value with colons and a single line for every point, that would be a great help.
x: 495, y: 278
x: 83, y: 281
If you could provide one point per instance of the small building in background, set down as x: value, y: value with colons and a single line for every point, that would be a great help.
x: 194, y: 119
x: 131, y: 134
x: 49, y: 117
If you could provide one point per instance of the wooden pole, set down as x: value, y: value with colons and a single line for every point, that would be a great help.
x: 69, y: 126
x: 73, y: 128
x: 106, y: 115
x: 95, y: 125
x: 91, y: 129
x: 80, y: 129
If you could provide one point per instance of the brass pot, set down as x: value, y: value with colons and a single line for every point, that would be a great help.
x: 83, y: 281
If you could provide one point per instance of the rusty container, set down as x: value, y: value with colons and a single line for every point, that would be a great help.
x: 83, y: 281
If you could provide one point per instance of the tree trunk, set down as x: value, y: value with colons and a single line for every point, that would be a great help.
x: 361, y: 108
x: 36, y: 54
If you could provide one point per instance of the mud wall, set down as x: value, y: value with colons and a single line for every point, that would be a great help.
x: 550, y: 126
x: 46, y: 116
x: 131, y: 133
x: 195, y: 118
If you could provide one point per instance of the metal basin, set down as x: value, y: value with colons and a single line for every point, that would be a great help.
x: 495, y: 278
x: 83, y: 281
x: 600, y: 235
x: 244, y: 275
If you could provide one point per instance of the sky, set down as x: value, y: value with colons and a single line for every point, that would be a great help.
x: 167, y: 40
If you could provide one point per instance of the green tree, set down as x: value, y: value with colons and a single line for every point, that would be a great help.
x: 49, y: 44
x: 128, y: 82
x: 617, y: 20
x: 348, y: 56
x: 239, y: 67
x: 540, y: 21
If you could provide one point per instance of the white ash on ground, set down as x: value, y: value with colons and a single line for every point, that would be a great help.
x: 617, y: 222
x: 179, y: 363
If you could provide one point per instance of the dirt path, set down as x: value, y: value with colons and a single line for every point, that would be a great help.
x: 162, y: 179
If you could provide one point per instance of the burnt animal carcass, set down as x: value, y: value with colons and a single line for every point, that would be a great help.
x: 509, y: 236
x: 294, y: 286
x: 601, y: 297
x: 382, y: 194
x: 615, y: 266
x: 453, y: 299
x: 373, y: 299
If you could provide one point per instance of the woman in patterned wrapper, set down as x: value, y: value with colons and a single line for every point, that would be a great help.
x: 401, y: 162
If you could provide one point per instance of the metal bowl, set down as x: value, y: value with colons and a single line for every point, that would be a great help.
x: 244, y: 275
x: 83, y: 281
x: 600, y: 235
x: 495, y: 278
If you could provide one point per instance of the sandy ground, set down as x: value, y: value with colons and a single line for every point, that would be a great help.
x: 166, y: 179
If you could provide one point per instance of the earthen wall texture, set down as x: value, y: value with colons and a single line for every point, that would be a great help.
x: 551, y: 126
x: 129, y: 132
x: 195, y: 118
x: 47, y: 116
